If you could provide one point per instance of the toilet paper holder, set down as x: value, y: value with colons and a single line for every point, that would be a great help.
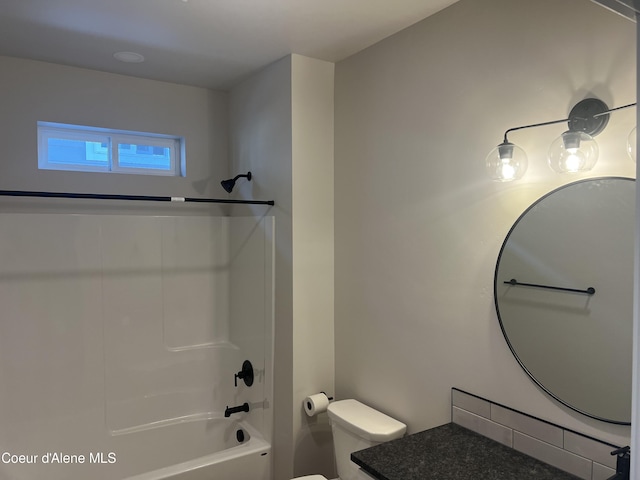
x: 330, y: 398
x: 315, y: 404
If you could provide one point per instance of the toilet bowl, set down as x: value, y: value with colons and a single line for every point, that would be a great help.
x: 356, y: 426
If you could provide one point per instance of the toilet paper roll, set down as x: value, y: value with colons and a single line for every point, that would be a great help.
x: 315, y: 404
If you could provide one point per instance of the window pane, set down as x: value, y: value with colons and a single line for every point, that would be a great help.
x: 77, y: 152
x: 144, y: 156
x: 93, y: 149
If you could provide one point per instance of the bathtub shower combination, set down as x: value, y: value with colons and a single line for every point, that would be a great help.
x: 122, y: 340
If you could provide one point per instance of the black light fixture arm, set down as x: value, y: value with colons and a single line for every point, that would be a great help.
x: 614, y: 109
x: 571, y: 119
x: 531, y: 126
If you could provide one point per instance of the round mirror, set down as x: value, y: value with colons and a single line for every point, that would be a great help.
x: 563, y: 291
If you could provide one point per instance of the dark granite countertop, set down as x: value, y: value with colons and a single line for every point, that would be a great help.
x: 451, y: 452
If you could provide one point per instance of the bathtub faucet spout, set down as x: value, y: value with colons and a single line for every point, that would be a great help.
x: 242, y: 408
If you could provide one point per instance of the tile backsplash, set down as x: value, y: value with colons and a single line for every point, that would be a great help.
x: 584, y: 457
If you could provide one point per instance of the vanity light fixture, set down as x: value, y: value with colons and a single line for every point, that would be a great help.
x: 573, y: 151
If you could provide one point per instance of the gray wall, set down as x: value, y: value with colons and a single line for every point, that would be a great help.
x: 260, y: 119
x: 33, y: 91
x: 418, y: 223
x: 282, y: 130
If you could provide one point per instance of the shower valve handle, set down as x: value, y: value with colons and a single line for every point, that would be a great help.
x: 245, y: 374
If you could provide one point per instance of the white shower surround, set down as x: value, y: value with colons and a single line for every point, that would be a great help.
x: 107, y: 344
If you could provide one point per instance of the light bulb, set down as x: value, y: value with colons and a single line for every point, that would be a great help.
x: 506, y: 162
x: 508, y: 171
x: 574, y: 161
x: 573, y: 152
x: 631, y: 144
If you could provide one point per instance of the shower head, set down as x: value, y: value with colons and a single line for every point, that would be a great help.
x: 229, y: 184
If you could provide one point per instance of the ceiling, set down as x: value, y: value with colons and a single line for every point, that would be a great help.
x: 207, y: 43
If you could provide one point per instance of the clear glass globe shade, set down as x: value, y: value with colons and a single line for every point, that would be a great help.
x: 506, y: 162
x: 631, y: 144
x: 573, y: 152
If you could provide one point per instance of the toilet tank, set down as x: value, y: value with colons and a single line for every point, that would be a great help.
x: 355, y: 426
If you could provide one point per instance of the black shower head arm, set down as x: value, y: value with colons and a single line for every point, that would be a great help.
x: 242, y: 175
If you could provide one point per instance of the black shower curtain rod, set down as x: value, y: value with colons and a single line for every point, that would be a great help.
x: 145, y: 198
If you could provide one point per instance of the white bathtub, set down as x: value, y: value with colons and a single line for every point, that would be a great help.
x: 205, y: 450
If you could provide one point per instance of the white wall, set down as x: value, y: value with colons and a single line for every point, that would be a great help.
x: 281, y: 124
x: 33, y: 91
x: 313, y: 252
x: 418, y: 225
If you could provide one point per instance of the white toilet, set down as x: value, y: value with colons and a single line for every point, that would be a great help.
x: 356, y: 426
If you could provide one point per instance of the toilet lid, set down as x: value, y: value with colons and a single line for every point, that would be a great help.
x: 312, y: 477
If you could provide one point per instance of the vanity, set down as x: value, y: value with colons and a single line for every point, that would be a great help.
x: 452, y: 452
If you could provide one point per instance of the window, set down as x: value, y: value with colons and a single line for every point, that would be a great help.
x: 89, y: 149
